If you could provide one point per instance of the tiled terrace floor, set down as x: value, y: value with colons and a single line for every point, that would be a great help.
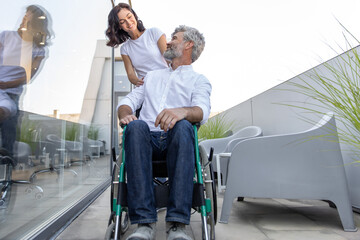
x: 253, y: 219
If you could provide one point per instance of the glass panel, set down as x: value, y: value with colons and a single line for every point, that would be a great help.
x: 121, y: 82
x: 55, y: 109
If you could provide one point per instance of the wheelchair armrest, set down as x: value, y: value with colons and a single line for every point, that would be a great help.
x: 7, y: 160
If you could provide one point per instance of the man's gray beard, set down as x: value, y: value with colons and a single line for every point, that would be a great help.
x: 170, y: 54
x: 173, y: 52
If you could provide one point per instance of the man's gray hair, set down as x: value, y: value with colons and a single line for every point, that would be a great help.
x: 193, y: 35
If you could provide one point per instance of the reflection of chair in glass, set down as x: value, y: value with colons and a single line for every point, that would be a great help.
x: 46, y: 152
x: 222, y: 148
x: 22, y: 152
x: 303, y: 165
x: 92, y: 148
x: 68, y: 151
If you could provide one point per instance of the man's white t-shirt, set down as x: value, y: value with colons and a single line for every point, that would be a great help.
x: 14, y: 51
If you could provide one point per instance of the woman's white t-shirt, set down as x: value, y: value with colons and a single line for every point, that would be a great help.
x: 144, y: 52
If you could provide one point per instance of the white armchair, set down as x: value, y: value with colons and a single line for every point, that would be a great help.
x: 222, y: 148
x: 304, y: 165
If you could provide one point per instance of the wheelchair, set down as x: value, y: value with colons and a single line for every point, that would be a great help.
x: 7, y: 163
x: 204, y: 193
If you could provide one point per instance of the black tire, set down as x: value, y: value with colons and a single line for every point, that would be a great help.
x: 112, y: 187
x: 115, y: 179
x: 110, y: 231
x: 109, y: 234
x: 124, y: 222
x: 210, y: 192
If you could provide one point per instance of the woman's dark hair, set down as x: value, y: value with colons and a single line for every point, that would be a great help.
x: 39, y: 23
x: 114, y: 33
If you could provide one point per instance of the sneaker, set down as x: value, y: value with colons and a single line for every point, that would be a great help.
x: 177, y: 231
x: 144, y: 231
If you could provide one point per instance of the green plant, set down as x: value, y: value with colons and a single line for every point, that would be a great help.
x: 93, y: 132
x: 72, y: 131
x: 27, y: 131
x: 337, y: 89
x: 216, y: 127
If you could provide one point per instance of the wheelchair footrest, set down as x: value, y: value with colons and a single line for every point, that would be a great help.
x: 161, y: 195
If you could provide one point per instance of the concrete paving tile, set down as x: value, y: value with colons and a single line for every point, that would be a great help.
x: 281, y: 222
x: 325, y: 216
x: 302, y: 235
x: 255, y: 206
x: 84, y: 230
x: 95, y: 213
x: 238, y: 231
x: 350, y: 235
x: 253, y: 219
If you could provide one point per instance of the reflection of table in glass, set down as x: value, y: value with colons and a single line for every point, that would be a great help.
x: 95, y: 151
x: 44, y: 159
x: 62, y: 157
x: 63, y: 160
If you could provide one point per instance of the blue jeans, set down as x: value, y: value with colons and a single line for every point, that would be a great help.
x: 177, y: 146
x: 8, y: 128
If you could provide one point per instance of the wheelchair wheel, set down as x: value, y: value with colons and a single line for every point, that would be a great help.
x: 210, y: 193
x: 115, y: 177
x: 113, y: 188
x: 124, y: 226
x: 124, y: 218
x: 110, y: 231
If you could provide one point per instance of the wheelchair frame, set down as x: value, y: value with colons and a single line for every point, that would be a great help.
x: 7, y: 164
x: 204, y: 192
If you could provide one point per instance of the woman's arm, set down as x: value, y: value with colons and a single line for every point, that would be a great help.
x: 162, y: 44
x: 130, y: 71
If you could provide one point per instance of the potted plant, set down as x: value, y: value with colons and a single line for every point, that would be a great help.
x: 216, y: 127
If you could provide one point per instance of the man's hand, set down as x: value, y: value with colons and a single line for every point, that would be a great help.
x: 125, y: 115
x: 127, y: 119
x: 167, y: 118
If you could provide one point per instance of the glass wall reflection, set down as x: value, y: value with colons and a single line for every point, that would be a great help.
x: 55, y: 110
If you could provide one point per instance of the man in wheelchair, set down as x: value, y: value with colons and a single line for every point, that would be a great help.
x: 172, y: 99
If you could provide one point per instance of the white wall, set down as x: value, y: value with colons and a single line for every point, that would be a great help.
x: 265, y: 111
x: 96, y: 107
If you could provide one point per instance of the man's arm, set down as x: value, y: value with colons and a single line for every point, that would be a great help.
x: 125, y: 115
x: 167, y: 118
x: 12, y: 77
x: 12, y: 84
